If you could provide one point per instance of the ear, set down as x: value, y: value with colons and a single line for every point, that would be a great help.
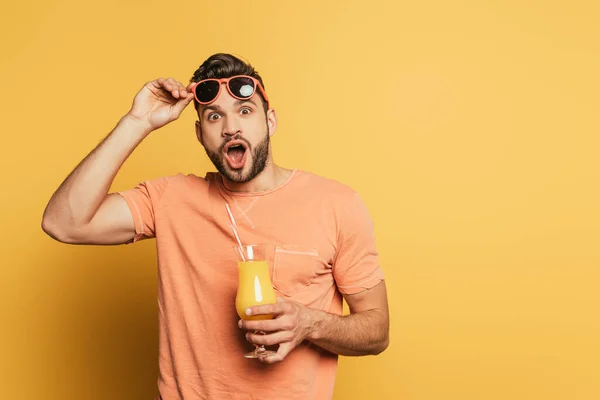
x: 199, y: 132
x: 271, y: 121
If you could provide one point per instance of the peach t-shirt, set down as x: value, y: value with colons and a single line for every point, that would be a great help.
x: 324, y: 246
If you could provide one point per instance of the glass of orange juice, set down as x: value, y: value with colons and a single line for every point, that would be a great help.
x: 254, y: 287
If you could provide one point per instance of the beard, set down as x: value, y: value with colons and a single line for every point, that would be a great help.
x: 259, y: 154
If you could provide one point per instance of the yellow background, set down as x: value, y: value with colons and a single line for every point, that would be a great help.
x: 470, y: 129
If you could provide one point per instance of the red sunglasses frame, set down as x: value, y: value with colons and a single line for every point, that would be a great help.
x: 226, y: 81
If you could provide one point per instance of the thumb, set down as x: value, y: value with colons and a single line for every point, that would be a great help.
x: 283, y: 350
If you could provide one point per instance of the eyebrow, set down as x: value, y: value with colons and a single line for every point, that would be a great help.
x: 240, y: 102
x: 211, y: 107
x: 237, y: 103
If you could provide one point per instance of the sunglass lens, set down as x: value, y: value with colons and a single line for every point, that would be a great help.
x: 207, y: 91
x: 242, y: 87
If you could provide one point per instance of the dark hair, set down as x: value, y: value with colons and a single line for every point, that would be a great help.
x: 222, y: 65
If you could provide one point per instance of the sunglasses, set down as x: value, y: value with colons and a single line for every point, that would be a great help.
x: 242, y: 87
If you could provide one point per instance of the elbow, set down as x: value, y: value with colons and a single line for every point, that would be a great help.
x: 51, y: 229
x: 48, y: 227
x: 54, y: 230
x: 381, y: 345
x: 382, y: 337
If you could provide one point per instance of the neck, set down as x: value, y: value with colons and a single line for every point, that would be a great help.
x: 270, y: 178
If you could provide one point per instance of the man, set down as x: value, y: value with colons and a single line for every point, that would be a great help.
x: 324, y: 245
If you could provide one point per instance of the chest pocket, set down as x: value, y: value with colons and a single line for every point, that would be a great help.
x: 294, y: 268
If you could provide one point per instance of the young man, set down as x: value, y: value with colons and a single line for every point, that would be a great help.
x: 321, y: 232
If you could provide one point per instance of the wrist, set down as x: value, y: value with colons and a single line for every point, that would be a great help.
x: 316, y: 321
x: 136, y: 126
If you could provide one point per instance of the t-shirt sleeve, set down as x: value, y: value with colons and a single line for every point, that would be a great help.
x: 356, y: 265
x: 143, y: 201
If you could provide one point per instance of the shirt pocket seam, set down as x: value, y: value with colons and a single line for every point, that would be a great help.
x: 294, y: 254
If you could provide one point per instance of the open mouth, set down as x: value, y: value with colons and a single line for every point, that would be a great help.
x: 235, y: 153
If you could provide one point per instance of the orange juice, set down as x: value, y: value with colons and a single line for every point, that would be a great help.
x: 254, y: 288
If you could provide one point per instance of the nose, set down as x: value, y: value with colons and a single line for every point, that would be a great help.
x: 231, y: 127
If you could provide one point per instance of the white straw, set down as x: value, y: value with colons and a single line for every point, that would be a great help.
x: 234, y: 226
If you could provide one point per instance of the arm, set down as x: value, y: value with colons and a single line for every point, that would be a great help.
x: 364, y: 332
x: 81, y: 211
x: 357, y: 274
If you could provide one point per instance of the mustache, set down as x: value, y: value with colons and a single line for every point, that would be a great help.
x: 234, y: 137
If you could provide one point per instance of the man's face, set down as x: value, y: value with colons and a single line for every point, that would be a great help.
x: 236, y: 135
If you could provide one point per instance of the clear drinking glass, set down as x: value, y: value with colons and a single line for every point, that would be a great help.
x: 254, y: 287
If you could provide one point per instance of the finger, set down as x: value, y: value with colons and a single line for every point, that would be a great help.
x: 174, y: 87
x: 190, y: 89
x: 162, y: 85
x: 178, y: 89
x: 270, y: 340
x: 172, y: 82
x: 183, y: 103
x: 282, y: 352
x: 182, y: 91
x: 155, y: 84
x: 282, y: 307
x: 265, y: 309
x: 165, y: 84
x: 269, y: 325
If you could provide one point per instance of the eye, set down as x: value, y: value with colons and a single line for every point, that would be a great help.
x: 245, y: 111
x: 213, y: 116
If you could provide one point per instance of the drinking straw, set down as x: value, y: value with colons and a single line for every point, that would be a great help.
x: 234, y: 227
